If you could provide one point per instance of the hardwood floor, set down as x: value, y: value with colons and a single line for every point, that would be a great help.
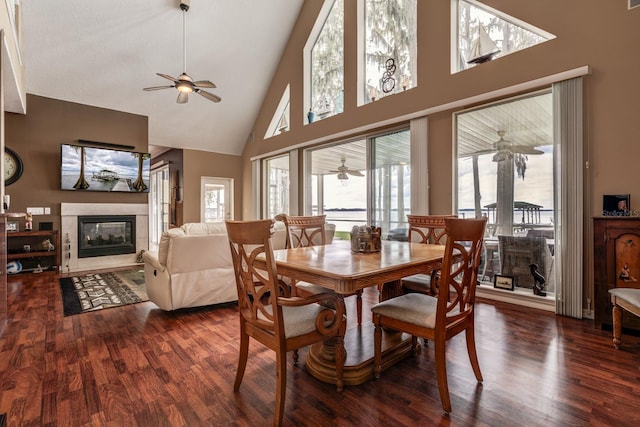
x: 138, y: 365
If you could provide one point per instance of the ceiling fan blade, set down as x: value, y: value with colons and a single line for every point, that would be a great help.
x: 173, y: 79
x: 157, y: 87
x: 527, y: 150
x: 205, y: 83
x: 209, y: 96
x: 481, y: 152
x: 183, y: 98
x: 355, y: 173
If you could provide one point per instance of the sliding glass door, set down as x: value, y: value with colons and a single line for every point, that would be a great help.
x: 158, y: 205
x: 391, y: 182
x: 363, y: 181
x: 506, y: 172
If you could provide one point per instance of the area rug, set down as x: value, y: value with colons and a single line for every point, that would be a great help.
x: 97, y: 291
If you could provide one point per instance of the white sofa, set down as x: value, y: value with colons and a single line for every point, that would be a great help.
x: 193, y: 266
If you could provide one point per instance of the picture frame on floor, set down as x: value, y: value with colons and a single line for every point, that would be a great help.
x: 503, y: 282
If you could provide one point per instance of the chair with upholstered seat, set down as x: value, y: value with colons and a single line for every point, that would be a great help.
x: 627, y: 299
x: 270, y: 316
x: 304, y: 231
x: 442, y: 317
x: 428, y: 229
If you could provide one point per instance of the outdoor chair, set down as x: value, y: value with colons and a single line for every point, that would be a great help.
x: 517, y: 254
x: 270, y: 316
x: 441, y: 317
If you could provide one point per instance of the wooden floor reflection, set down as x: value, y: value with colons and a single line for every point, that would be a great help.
x: 137, y: 365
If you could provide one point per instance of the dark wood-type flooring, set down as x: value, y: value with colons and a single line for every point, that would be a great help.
x: 138, y: 365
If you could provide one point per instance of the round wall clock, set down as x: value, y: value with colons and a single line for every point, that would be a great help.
x: 12, y: 166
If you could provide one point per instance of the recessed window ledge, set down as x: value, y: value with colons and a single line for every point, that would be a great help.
x: 524, y: 297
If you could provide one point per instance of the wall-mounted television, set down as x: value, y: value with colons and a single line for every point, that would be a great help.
x: 103, y: 169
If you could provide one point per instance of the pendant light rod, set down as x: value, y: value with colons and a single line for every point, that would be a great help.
x: 184, y: 39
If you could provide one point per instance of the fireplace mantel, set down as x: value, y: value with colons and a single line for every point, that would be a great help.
x: 69, y: 213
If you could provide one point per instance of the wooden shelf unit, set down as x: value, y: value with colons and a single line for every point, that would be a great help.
x: 37, y: 255
x: 616, y: 243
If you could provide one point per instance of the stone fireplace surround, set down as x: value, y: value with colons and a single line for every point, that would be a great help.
x: 69, y: 213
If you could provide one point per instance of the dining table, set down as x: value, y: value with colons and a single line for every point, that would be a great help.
x: 337, y: 268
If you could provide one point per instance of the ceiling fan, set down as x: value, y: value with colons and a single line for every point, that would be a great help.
x: 184, y: 83
x: 504, y: 149
x: 344, y: 171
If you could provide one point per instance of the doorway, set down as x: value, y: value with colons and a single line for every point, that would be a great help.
x: 216, y: 199
x: 159, y: 200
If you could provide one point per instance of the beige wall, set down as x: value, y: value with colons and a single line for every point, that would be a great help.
x: 602, y: 35
x: 197, y: 164
x: 36, y: 137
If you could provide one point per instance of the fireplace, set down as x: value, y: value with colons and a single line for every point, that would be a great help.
x: 70, y: 234
x: 102, y: 235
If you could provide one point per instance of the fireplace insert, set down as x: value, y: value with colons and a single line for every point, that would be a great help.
x: 102, y: 235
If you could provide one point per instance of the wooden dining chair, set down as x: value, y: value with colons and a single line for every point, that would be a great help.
x: 428, y: 229
x: 627, y: 299
x: 442, y: 317
x: 270, y: 316
x: 304, y: 231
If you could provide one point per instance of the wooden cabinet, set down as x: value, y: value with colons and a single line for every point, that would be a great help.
x: 616, y: 264
x: 3, y: 274
x: 33, y: 252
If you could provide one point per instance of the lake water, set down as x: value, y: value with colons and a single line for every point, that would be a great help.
x: 346, y: 219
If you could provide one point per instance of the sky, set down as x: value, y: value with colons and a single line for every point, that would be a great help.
x: 97, y: 159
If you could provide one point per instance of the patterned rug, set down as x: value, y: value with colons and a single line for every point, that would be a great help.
x: 97, y: 291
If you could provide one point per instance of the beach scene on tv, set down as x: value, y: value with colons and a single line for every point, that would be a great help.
x: 100, y: 169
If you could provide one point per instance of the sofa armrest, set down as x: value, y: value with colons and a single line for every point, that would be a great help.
x: 151, y: 259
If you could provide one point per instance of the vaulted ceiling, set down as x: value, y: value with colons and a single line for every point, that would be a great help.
x: 103, y: 52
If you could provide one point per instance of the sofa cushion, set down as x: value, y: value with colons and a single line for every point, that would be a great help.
x: 201, y: 228
x: 195, y: 253
x: 279, y: 236
x: 165, y: 239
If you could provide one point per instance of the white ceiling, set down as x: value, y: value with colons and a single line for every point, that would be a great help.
x: 103, y: 52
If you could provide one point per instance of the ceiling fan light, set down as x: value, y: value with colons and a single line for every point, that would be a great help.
x: 184, y: 87
x: 343, y: 176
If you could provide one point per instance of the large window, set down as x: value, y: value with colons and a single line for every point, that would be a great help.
x: 391, y: 179
x: 326, y: 63
x: 280, y: 120
x: 505, y: 172
x: 390, y: 47
x: 484, y: 33
x: 338, y: 184
x: 277, y: 178
x: 365, y: 181
x: 159, y: 199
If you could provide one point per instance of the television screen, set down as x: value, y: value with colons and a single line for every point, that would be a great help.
x: 102, y: 169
